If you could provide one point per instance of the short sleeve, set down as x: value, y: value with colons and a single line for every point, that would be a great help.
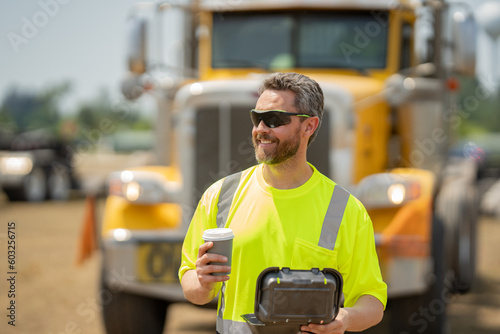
x: 204, y: 218
x: 361, y: 270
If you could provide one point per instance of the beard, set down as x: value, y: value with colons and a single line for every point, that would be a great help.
x: 282, y: 151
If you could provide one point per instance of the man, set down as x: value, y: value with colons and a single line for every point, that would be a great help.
x: 284, y: 213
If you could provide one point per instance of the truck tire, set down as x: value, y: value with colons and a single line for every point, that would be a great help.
x: 128, y: 313
x: 457, y: 207
x: 425, y: 313
x: 32, y: 189
x: 440, y: 293
x: 59, y: 184
x: 464, y: 264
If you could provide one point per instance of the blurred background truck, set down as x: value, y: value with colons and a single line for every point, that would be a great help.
x: 35, y: 165
x: 390, y: 71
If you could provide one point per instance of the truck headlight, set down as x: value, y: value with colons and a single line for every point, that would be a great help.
x: 388, y: 190
x: 16, y: 165
x: 396, y: 193
x: 132, y: 191
x: 120, y: 234
x: 144, y: 187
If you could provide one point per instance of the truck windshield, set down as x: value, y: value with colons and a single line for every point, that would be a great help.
x: 273, y: 40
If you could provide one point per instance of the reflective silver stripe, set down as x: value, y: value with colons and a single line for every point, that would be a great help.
x: 333, y: 218
x: 225, y: 326
x: 228, y: 189
x: 222, y: 301
x: 229, y: 186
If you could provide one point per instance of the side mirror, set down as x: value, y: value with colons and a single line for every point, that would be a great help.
x: 464, y: 32
x: 132, y: 87
x: 137, y: 44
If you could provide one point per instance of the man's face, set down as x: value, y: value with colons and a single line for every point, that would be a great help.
x: 276, y: 145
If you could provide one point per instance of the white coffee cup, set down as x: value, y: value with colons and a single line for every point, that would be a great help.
x: 223, y: 245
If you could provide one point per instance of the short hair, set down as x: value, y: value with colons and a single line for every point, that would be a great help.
x: 309, y: 97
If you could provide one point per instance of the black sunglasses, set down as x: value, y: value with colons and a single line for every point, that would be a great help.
x: 273, y: 118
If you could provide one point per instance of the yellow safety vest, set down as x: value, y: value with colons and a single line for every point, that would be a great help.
x: 318, y: 224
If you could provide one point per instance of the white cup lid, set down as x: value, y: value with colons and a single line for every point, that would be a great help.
x: 218, y: 234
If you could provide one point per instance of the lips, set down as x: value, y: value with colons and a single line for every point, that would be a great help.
x: 264, y: 140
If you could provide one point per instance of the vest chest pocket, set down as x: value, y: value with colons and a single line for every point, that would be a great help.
x: 307, y: 255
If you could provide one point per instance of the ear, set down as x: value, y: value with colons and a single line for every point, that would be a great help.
x: 310, y: 125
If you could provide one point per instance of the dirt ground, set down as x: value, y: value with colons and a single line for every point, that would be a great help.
x: 55, y: 296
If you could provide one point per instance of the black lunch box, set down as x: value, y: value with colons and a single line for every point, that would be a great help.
x: 285, y: 299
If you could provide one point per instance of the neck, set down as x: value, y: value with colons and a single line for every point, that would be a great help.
x: 288, y: 174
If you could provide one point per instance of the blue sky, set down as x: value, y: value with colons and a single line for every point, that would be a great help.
x: 78, y: 40
x: 82, y: 41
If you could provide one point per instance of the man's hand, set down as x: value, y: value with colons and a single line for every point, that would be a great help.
x: 337, y: 326
x: 198, y: 285
x: 204, y: 269
x: 366, y: 312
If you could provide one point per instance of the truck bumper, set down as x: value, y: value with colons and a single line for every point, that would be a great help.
x: 405, y: 263
x: 11, y: 181
x: 143, y: 262
x: 406, y: 276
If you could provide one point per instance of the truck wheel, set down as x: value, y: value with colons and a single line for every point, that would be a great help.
x: 128, y: 313
x: 465, y: 253
x: 59, y: 185
x: 32, y: 189
x: 440, y: 293
x: 424, y: 313
x: 457, y: 207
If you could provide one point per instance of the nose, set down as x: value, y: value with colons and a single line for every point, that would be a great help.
x: 262, y: 127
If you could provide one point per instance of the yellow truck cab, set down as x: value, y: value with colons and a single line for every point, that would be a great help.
x: 385, y: 135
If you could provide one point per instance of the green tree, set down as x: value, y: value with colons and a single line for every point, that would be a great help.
x: 100, y: 116
x: 480, y: 108
x: 24, y: 110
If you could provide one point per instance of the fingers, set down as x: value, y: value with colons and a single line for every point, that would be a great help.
x: 204, y: 248
x: 334, y: 327
x: 205, y: 266
x: 205, y: 258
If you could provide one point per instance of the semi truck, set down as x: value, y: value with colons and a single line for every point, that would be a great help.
x: 390, y: 74
x: 34, y: 166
